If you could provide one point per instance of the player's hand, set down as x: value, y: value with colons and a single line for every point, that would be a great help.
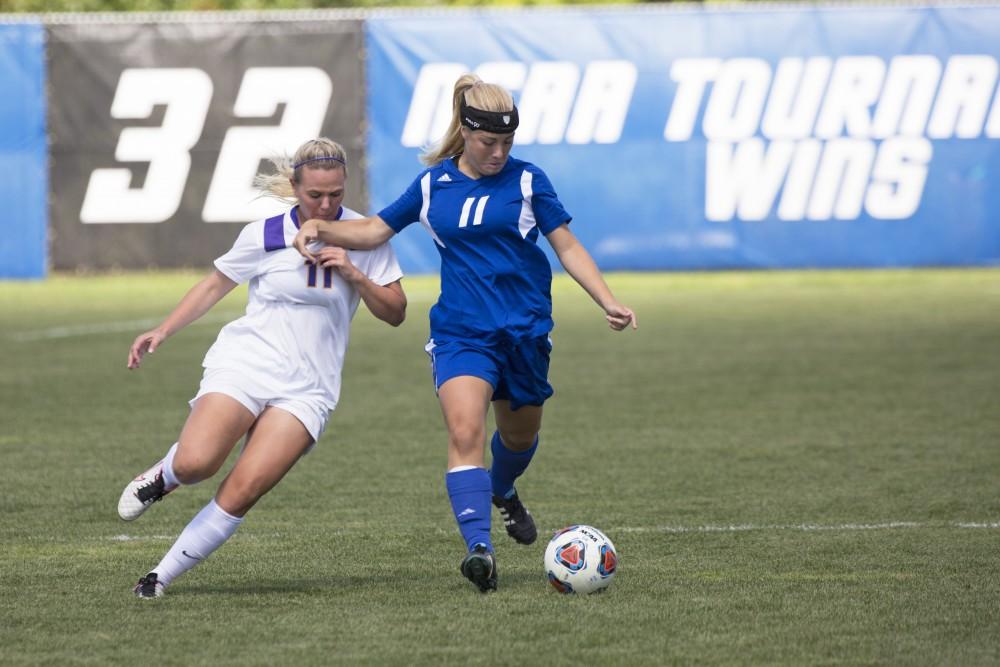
x: 337, y: 258
x: 308, y: 232
x: 146, y: 342
x: 619, y: 317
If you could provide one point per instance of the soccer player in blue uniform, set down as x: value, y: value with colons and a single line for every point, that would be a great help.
x: 489, y: 331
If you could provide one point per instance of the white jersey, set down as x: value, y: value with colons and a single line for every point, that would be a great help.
x: 298, y: 318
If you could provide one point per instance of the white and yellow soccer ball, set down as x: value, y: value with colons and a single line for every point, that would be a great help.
x: 580, y: 559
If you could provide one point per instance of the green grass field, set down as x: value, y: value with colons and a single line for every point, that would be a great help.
x: 797, y: 468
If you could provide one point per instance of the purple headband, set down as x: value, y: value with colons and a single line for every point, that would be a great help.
x: 320, y: 159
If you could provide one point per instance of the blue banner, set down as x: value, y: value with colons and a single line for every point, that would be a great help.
x: 23, y: 152
x: 702, y: 139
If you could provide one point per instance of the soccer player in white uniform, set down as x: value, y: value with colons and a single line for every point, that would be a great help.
x: 490, y: 327
x: 273, y: 375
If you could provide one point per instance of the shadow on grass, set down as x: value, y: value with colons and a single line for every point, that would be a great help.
x: 324, y: 585
x: 314, y: 586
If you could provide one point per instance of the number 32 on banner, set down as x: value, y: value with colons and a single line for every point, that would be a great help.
x: 187, y: 93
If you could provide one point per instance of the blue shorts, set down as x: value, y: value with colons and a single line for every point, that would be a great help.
x: 518, y: 371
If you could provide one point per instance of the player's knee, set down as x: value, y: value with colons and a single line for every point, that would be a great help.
x: 518, y: 440
x: 190, y: 468
x: 466, y: 438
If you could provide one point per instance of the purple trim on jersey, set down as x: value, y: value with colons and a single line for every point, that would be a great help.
x: 274, y: 233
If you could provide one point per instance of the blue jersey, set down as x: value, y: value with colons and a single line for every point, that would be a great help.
x: 495, y: 280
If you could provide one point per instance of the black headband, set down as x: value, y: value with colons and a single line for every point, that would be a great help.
x: 497, y: 122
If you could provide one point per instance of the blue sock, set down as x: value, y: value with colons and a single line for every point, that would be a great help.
x: 469, y: 492
x: 507, y: 466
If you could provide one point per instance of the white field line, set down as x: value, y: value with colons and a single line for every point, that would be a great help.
x: 137, y: 538
x: 138, y: 326
x: 736, y: 528
x: 807, y: 527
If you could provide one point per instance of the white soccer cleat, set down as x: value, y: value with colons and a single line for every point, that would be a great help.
x: 142, y: 492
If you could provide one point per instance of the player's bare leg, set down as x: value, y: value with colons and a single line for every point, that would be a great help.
x: 464, y: 403
x: 277, y: 440
x: 213, y: 427
x: 216, y: 423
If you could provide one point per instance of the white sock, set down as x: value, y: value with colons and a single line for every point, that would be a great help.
x: 208, y: 530
x: 169, y: 479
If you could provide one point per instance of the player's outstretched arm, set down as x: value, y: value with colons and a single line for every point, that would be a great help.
x: 580, y: 265
x: 198, y: 301
x: 360, y: 234
x: 386, y: 302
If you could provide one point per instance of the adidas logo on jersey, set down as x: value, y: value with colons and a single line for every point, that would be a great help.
x: 445, y: 178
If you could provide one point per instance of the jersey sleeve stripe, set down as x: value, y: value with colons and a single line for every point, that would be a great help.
x: 425, y: 191
x: 274, y: 233
x: 526, y: 221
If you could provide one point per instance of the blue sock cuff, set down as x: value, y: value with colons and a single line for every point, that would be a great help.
x: 499, y: 450
x: 473, y: 479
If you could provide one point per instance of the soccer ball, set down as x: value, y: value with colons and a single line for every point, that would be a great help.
x: 580, y: 559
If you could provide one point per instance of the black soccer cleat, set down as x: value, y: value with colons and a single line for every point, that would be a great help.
x: 480, y: 567
x: 148, y: 587
x: 516, y: 519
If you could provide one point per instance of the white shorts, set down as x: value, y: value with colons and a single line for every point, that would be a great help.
x: 312, y: 413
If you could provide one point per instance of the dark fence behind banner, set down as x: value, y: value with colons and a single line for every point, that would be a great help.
x: 157, y: 130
